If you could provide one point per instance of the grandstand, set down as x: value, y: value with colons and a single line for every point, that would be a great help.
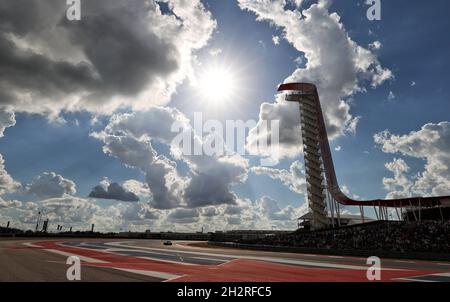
x: 426, y: 237
x: 304, y: 222
x: 437, y: 214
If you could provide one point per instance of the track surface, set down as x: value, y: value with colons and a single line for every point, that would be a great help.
x: 151, y: 261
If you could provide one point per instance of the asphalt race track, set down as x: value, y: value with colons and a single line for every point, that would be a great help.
x: 151, y: 261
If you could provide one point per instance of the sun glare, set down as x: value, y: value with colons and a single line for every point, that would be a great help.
x: 216, y: 85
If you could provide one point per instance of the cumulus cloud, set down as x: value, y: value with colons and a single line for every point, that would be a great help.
x: 345, y: 189
x: 276, y: 40
x: 289, y: 124
x: 400, y: 185
x: 80, y: 213
x: 335, y: 63
x: 165, y: 184
x: 70, y: 210
x: 234, y: 209
x: 121, y: 54
x: 129, y: 137
x: 242, y: 214
x: 139, y: 188
x: 6, y: 204
x: 7, y: 183
x: 209, y: 211
x: 133, y: 152
x: 7, y: 119
x: 139, y: 212
x: 183, y: 215
x: 264, y: 213
x: 431, y: 144
x: 375, y: 45
x: 271, y: 209
x: 294, y: 178
x: 234, y: 221
x: 211, y: 180
x: 50, y: 185
x: 113, y: 191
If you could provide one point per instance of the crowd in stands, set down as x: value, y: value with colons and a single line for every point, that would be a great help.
x: 429, y: 236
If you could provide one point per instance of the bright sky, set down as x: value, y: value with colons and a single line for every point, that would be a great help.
x: 90, y: 104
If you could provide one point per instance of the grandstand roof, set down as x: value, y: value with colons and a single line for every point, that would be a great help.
x: 308, y: 216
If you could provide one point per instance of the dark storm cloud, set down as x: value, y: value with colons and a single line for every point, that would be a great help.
x: 50, y: 185
x: 209, y: 211
x: 113, y: 192
x: 212, y: 179
x: 27, y: 71
x: 165, y: 184
x: 118, y: 54
x: 183, y: 215
x: 125, y: 58
x: 233, y: 210
x: 209, y: 189
x: 24, y: 70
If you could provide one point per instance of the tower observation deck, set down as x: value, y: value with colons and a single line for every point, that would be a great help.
x: 323, y: 191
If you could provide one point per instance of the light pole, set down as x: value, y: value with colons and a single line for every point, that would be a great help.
x: 38, y: 220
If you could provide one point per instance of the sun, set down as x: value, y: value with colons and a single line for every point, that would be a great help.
x: 216, y: 85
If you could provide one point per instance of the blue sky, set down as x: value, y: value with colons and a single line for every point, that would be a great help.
x: 415, y: 48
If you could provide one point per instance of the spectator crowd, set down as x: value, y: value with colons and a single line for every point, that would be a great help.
x: 428, y: 236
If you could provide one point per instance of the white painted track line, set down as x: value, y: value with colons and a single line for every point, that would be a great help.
x: 29, y: 244
x: 164, y: 260
x: 82, y: 258
x: 159, y: 275
x: 405, y: 261
x: 212, y: 259
x: 267, y: 259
